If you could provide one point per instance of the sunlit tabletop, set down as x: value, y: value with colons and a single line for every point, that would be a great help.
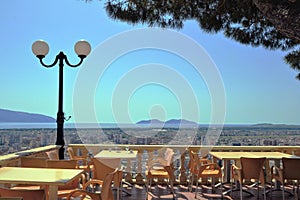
x: 250, y: 154
x: 39, y: 176
x: 117, y: 154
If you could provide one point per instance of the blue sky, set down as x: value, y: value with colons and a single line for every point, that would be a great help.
x: 259, y: 87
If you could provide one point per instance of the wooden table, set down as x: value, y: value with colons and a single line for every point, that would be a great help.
x: 228, y: 157
x: 39, y: 176
x: 105, y: 155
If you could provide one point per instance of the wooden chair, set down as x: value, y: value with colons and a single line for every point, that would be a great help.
x: 33, y: 162
x: 62, y: 164
x: 193, y: 167
x: 64, y: 191
x: 25, y: 194
x: 207, y: 170
x: 104, y: 166
x: 288, y: 172
x: 83, y: 194
x: 251, y: 168
x: 53, y: 155
x: 161, y: 168
x: 106, y: 184
x: 202, y: 168
x: 162, y: 157
x: 82, y: 160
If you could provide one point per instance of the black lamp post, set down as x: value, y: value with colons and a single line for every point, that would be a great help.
x: 41, y: 49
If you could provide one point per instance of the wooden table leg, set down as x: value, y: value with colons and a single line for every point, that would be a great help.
x: 52, y: 193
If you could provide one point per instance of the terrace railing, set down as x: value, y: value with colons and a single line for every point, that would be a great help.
x: 135, y: 169
x: 181, y: 157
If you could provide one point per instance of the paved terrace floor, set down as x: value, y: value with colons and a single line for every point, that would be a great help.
x: 182, y: 193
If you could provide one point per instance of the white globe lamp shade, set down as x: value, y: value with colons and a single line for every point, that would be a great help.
x: 40, y: 48
x: 82, y: 48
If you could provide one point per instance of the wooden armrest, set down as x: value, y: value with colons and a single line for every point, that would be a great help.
x: 157, y: 162
x: 277, y: 173
x: 80, y: 157
x: 209, y: 166
x: 276, y: 170
x: 156, y: 166
x: 82, y: 194
x: 92, y: 182
x: 204, y: 161
x: 236, y: 172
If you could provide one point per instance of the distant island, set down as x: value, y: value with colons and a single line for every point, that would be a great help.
x: 169, y: 123
x: 9, y: 116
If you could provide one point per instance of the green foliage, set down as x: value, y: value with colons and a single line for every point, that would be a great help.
x: 293, y: 59
x: 241, y: 20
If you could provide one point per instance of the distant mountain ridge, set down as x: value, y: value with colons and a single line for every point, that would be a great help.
x: 169, y: 123
x: 10, y: 116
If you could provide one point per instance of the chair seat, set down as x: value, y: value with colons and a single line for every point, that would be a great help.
x: 158, y: 168
x: 210, y: 172
x: 156, y: 173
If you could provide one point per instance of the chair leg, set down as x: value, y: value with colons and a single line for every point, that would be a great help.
x: 297, y: 189
x: 222, y: 195
x: 191, y: 183
x: 265, y: 195
x: 241, y: 191
x: 271, y: 187
x: 148, y: 185
x: 118, y: 193
x: 283, y: 196
x: 196, y: 189
x: 172, y: 188
x: 231, y: 186
x: 257, y: 190
x: 213, y: 189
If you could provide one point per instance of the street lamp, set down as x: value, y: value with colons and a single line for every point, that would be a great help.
x: 40, y: 49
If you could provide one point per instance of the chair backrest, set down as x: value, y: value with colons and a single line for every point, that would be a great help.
x: 106, y: 191
x: 71, y: 152
x: 83, y: 194
x: 169, y: 156
x: 252, y: 168
x: 104, y: 166
x: 193, y: 162
x: 62, y: 164
x: 25, y: 194
x: 168, y: 151
x: 33, y: 162
x: 53, y: 155
x: 291, y: 168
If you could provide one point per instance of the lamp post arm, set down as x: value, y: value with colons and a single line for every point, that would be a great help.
x: 76, y: 65
x: 41, y: 57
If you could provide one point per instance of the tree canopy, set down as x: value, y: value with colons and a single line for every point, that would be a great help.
x: 273, y: 24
